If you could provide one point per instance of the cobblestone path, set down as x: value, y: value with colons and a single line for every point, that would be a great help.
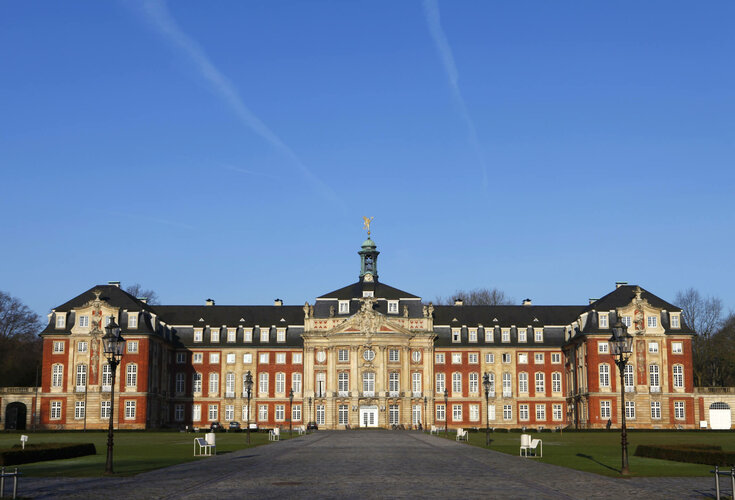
x: 367, y: 464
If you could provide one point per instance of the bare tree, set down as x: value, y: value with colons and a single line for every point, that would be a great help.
x: 478, y: 297
x: 20, y: 346
x: 138, y: 291
x: 704, y: 316
x: 17, y: 321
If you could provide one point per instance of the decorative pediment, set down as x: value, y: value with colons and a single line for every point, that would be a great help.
x: 369, y: 322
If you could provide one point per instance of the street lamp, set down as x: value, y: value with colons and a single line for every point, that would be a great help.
x: 311, y: 421
x: 621, y: 346
x: 249, y: 391
x: 446, y: 412
x: 290, y: 409
x: 486, y: 385
x: 113, y: 346
x: 425, y: 415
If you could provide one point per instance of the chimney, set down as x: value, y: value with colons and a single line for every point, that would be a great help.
x: 592, y: 301
x: 143, y: 299
x: 527, y: 302
x: 458, y: 301
x: 618, y: 284
x: 278, y: 302
x: 210, y: 302
x: 114, y: 283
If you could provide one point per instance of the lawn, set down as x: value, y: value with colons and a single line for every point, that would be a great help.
x: 599, y: 452
x: 135, y: 452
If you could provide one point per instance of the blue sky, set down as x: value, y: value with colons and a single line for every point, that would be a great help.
x: 229, y: 149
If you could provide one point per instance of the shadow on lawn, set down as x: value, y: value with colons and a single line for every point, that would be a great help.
x: 598, y: 462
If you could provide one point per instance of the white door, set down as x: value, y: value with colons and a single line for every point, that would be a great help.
x: 368, y: 417
x: 719, y: 416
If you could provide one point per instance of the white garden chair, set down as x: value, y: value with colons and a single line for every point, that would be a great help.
x: 461, y: 434
x: 529, y: 444
x: 274, y: 434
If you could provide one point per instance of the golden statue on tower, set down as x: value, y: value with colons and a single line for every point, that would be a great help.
x: 366, y: 225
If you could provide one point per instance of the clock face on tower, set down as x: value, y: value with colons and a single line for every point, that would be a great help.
x: 368, y: 277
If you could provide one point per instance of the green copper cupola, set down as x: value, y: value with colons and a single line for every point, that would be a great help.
x: 368, y: 260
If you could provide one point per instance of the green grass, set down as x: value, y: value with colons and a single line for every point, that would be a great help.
x: 134, y: 452
x: 599, y: 452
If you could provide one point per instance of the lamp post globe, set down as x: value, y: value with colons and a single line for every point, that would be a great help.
x: 621, y: 347
x: 113, y: 346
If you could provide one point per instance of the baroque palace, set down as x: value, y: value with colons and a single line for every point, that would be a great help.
x: 367, y: 355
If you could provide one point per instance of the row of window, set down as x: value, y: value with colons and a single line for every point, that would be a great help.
x: 653, y: 376
x: 523, y: 412
x: 80, y: 409
x: 539, y: 379
x: 57, y: 375
x: 474, y: 358
x: 83, y: 346
x: 247, y: 358
x: 679, y: 410
x: 229, y: 415
x: 651, y: 321
x: 247, y: 335
x: 676, y: 347
x: 522, y: 334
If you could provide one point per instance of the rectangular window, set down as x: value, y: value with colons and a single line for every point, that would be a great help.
x: 264, y: 333
x: 523, y: 412
x: 82, y: 346
x: 679, y: 410
x: 626, y: 321
x: 653, y: 347
x: 489, y: 358
x: 247, y: 358
x: 178, y: 412
x: 393, y: 414
x: 392, y: 307
x: 344, y: 306
x: 230, y: 358
x: 675, y: 321
x: 604, y: 409
x: 507, y: 391
x: 603, y: 347
x: 538, y: 358
x: 439, y: 358
x: 473, y: 358
x: 280, y: 335
x: 79, y: 409
x: 230, y: 385
x: 489, y: 335
x: 263, y: 412
x: 603, y: 320
x: 296, y: 382
x: 522, y: 332
x: 343, y: 415
x: 474, y: 413
x: 296, y: 358
x: 456, y: 335
x: 440, y: 412
x: 229, y: 413
x: 197, y: 383
x: 180, y: 383
x: 180, y: 358
x: 456, y: 358
x: 556, y: 412
x: 653, y: 378
x: 214, y: 335
x: 472, y: 335
x: 368, y: 383
x: 231, y: 334
x: 60, y: 322
x: 392, y: 355
x: 105, y: 409
x: 628, y: 378
x: 343, y: 381
x: 505, y: 334
x: 523, y: 358
x: 604, y: 375
x: 129, y: 410
x: 132, y: 346
x: 491, y: 412
x: 630, y: 409
x: 55, y: 410
x: 416, y: 382
x: 213, y: 383
x: 506, y: 357
x: 507, y: 412
x: 280, y: 383
x: 280, y: 358
x: 198, y: 334
x: 197, y: 357
x: 456, y: 382
x: 556, y: 358
x: 677, y: 348
x: 196, y: 413
x: 523, y: 382
x: 213, y: 413
x: 474, y: 383
x: 81, y: 381
x: 540, y: 412
x: 58, y: 347
x: 652, y: 321
x: 440, y: 381
x: 84, y: 321
x: 245, y: 413
x: 247, y: 335
x: 263, y: 358
x: 538, y: 335
x: 214, y: 357
x: 280, y: 412
x: 263, y: 383
x: 655, y: 409
x: 131, y: 378
x: 540, y: 383
x: 320, y: 413
x: 343, y: 355
x: 678, y: 376
x: 556, y: 382
x: 457, y: 413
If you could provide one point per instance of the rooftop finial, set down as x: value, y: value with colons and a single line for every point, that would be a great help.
x: 366, y: 224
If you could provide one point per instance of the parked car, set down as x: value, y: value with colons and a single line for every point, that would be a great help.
x: 216, y: 427
x: 234, y: 427
x: 311, y: 426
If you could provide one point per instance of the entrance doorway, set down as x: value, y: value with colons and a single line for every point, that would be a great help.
x: 369, y: 416
x: 15, y: 417
x: 719, y: 416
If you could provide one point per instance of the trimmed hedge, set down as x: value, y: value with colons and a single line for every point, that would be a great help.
x: 691, y: 453
x: 45, y: 451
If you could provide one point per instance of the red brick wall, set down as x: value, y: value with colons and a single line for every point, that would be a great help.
x: 684, y: 359
x: 50, y: 359
x: 465, y: 368
x: 271, y: 368
x: 140, y: 411
x: 688, y: 410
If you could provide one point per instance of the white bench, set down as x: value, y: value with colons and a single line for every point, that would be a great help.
x: 434, y: 430
x: 274, y: 434
x: 301, y: 430
x: 527, y: 444
x: 202, y: 448
x: 461, y: 434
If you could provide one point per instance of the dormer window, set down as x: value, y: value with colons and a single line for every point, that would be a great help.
x: 84, y: 321
x: 626, y: 321
x: 231, y: 334
x: 675, y: 322
x: 247, y: 334
x: 368, y: 293
x: 198, y: 334
x: 214, y: 335
x: 344, y: 306
x: 489, y: 335
x: 60, y: 320
x: 456, y: 335
x: 505, y: 333
x: 264, y: 333
x: 472, y: 335
x: 603, y: 320
x: 652, y: 321
x: 522, y: 335
x: 280, y: 335
x: 392, y: 307
x: 538, y: 335
x: 132, y: 320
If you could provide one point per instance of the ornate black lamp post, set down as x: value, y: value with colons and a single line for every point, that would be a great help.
x: 290, y: 417
x: 486, y: 385
x: 446, y: 412
x: 311, y: 421
x: 621, y: 346
x: 249, y: 391
x: 425, y: 415
x: 113, y: 346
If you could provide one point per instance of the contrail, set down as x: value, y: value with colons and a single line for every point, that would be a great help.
x: 431, y: 11
x: 158, y: 14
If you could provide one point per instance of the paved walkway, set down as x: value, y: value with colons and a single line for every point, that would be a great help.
x: 367, y: 464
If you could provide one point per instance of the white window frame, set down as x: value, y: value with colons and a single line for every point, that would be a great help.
x: 84, y: 321
x: 679, y: 410
x: 675, y: 321
x: 456, y: 358
x: 55, y: 410
x: 232, y: 335
x: 538, y: 358
x: 605, y: 411
x: 131, y: 375
x: 57, y: 376
x: 678, y: 376
x: 198, y: 334
x: 79, y: 409
x: 538, y: 335
x: 392, y: 307
x: 522, y: 334
x: 630, y: 410
x: 603, y: 347
x: 474, y: 413
x: 440, y: 382
x: 439, y: 358
x: 130, y: 409
x: 58, y: 347
x: 505, y: 335
x: 280, y: 358
x: 456, y: 335
x: 523, y: 412
x: 604, y: 320
x: 343, y: 307
x: 677, y: 348
x: 247, y: 358
x: 522, y: 383
x: 213, y: 412
x: 280, y: 335
x: 489, y: 358
x: 247, y: 335
x: 652, y: 321
x: 653, y: 347
x: 541, y: 412
x: 132, y: 346
x: 214, y: 335
x: 474, y: 383
x: 473, y: 358
x: 263, y: 383
x: 105, y: 409
x: 296, y: 358
x: 557, y: 412
x: 296, y: 382
x: 655, y: 410
x: 472, y: 335
x: 265, y: 333
x: 540, y: 383
x: 556, y: 358
x: 213, y: 386
x: 280, y: 383
x: 489, y: 335
x: 456, y: 412
x: 522, y: 358
x: 556, y: 382
x: 343, y: 355
x: 213, y: 357
x: 196, y: 413
x: 60, y: 320
x: 394, y: 355
x: 507, y: 412
x: 604, y: 374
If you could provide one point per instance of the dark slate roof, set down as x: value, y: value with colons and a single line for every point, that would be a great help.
x: 506, y: 315
x: 624, y: 295
x: 231, y: 315
x: 553, y: 337
x: 382, y: 291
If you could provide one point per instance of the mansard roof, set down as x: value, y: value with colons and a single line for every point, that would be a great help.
x: 232, y: 316
x: 505, y: 315
x: 624, y: 295
x: 380, y: 290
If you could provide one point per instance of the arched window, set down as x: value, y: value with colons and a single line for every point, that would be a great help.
x: 523, y: 382
x: 678, y: 376
x: 213, y: 383
x: 131, y: 377
x: 263, y: 383
x: 296, y: 383
x: 230, y: 384
x: 281, y: 383
x: 197, y: 383
x: 416, y: 382
x: 57, y: 376
x: 507, y: 385
x: 604, y: 375
x: 556, y: 382
x: 474, y: 383
x: 540, y: 383
x: 457, y: 382
x: 81, y: 376
x: 440, y: 383
x: 628, y: 376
